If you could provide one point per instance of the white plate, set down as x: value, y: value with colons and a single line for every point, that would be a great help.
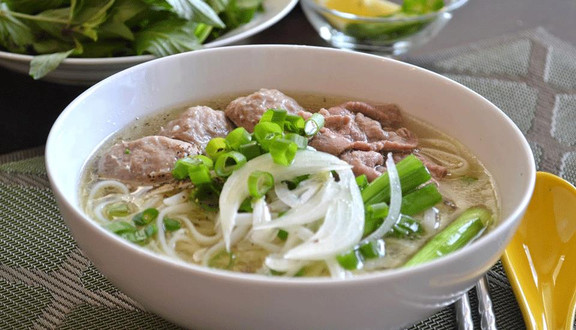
x: 87, y: 71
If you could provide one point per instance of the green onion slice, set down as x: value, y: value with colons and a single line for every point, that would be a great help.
x: 238, y: 137
x: 313, y: 124
x: 259, y: 183
x: 120, y: 227
x: 228, y: 162
x: 267, y: 132
x: 216, y: 146
x: 283, y: 151
x: 276, y: 116
x: 145, y: 217
x: 301, y: 141
x: 171, y: 224
x: 199, y: 174
x: 250, y: 150
x: 294, y: 124
x: 183, y: 166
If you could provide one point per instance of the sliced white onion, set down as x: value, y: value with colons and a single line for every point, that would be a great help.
x: 314, y: 209
x: 342, y: 227
x: 280, y: 264
x: 300, y: 195
x: 395, y: 201
x: 235, y: 189
x: 260, y: 213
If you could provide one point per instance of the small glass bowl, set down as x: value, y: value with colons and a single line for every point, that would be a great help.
x: 387, y: 36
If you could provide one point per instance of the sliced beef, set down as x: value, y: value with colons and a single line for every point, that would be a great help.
x: 148, y: 160
x: 364, y: 162
x: 388, y: 115
x: 345, y: 130
x: 246, y: 111
x: 437, y: 171
x: 198, y: 125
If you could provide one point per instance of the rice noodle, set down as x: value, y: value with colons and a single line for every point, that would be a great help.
x: 199, y: 237
x: 238, y: 233
x: 178, y: 198
x: 108, y: 184
x: 395, y: 201
x: 176, y: 209
x: 456, y: 164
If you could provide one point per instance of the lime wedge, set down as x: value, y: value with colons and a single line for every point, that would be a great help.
x: 367, y: 8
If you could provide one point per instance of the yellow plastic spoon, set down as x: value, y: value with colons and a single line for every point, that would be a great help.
x: 541, y: 258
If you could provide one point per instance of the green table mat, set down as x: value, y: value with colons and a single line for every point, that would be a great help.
x: 47, y: 283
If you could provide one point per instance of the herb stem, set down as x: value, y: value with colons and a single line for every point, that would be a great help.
x: 34, y: 17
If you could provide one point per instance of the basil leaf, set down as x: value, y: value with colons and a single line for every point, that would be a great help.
x: 122, y: 11
x: 167, y: 37
x: 89, y: 14
x: 41, y: 65
x: 14, y: 34
x: 34, y: 6
x: 197, y: 10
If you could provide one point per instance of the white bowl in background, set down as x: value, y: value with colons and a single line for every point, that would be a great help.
x: 197, y: 297
x: 88, y: 71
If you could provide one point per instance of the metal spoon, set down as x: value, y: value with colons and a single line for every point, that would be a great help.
x: 541, y: 258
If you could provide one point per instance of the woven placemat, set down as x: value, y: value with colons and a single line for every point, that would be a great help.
x: 47, y: 283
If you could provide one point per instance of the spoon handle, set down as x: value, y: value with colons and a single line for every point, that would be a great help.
x: 464, y: 313
x: 487, y: 318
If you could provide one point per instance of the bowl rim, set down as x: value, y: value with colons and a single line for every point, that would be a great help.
x: 453, y: 5
x: 225, y: 275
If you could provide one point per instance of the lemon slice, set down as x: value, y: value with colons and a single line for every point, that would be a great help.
x: 367, y: 8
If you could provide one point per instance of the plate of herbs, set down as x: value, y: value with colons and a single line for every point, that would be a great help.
x: 83, y: 41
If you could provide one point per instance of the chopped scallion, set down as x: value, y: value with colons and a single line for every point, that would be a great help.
x: 228, y: 162
x: 259, y: 183
x: 250, y: 150
x: 216, y: 146
x: 171, y: 224
x: 145, y: 217
x: 238, y: 137
x: 313, y: 124
x: 120, y: 227
x: 276, y: 116
x: 266, y: 132
x: 283, y: 151
x: 294, y: 124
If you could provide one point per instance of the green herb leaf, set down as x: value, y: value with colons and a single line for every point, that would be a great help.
x: 89, y: 14
x: 34, y: 6
x: 14, y: 34
x: 120, y: 13
x: 197, y: 10
x: 41, y: 65
x: 167, y: 37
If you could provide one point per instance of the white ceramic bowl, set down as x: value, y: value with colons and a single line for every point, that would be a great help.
x: 88, y: 71
x: 201, y: 298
